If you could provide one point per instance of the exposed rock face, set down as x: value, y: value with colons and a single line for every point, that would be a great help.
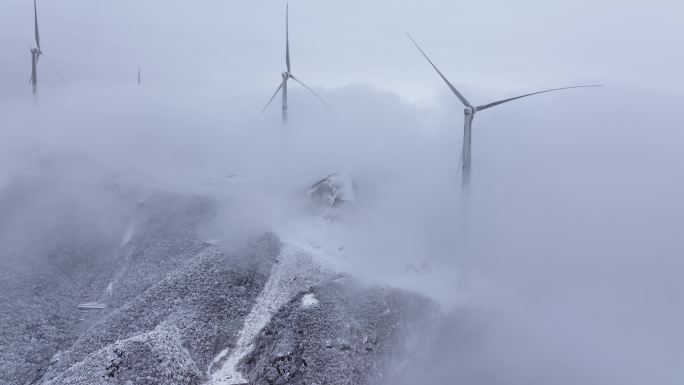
x: 350, y: 335
x: 335, y: 190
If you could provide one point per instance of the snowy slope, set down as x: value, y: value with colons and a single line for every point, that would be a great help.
x: 294, y: 271
x: 174, y: 308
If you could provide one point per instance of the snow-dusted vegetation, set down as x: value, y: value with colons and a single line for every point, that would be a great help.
x: 165, y: 306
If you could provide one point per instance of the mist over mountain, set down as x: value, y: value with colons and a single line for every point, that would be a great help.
x: 168, y: 233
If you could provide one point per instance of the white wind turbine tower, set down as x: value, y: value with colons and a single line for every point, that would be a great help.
x: 471, y: 110
x: 287, y: 75
x: 35, y: 52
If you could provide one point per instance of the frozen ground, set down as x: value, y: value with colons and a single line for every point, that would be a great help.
x: 173, y: 308
x: 294, y: 271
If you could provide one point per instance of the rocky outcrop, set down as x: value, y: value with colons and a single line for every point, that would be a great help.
x: 335, y: 190
x: 340, y: 332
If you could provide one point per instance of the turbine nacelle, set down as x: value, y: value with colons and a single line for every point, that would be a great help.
x: 469, y: 111
x: 286, y: 75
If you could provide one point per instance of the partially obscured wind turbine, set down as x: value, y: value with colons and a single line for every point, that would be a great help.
x: 138, y: 76
x: 470, y: 112
x: 287, y: 75
x: 35, y: 52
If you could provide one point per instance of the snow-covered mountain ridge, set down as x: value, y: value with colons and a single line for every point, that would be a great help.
x: 179, y: 309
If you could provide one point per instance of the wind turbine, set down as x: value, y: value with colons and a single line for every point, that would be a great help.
x: 35, y: 52
x: 138, y: 76
x: 471, y: 110
x: 287, y: 75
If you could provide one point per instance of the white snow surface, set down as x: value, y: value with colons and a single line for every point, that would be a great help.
x: 91, y: 306
x: 345, y: 247
x: 319, y: 237
x: 344, y: 186
x: 309, y: 300
x: 225, y: 180
x: 130, y: 231
x: 295, y: 271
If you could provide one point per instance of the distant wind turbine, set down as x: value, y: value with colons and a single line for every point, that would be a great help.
x: 35, y: 52
x: 138, y: 76
x: 287, y: 75
x: 471, y: 110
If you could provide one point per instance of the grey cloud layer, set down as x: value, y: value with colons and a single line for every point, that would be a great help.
x: 575, y: 220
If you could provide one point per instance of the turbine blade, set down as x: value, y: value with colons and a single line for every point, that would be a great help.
x: 287, y: 37
x: 451, y: 86
x: 34, y: 72
x: 32, y: 67
x: 35, y: 20
x: 312, y: 91
x: 53, y: 67
x: 490, y: 105
x: 280, y: 87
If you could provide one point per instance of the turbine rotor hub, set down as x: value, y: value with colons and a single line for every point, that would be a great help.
x: 286, y: 75
x: 469, y: 111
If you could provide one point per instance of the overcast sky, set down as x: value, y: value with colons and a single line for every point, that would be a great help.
x: 236, y: 47
x: 568, y: 188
